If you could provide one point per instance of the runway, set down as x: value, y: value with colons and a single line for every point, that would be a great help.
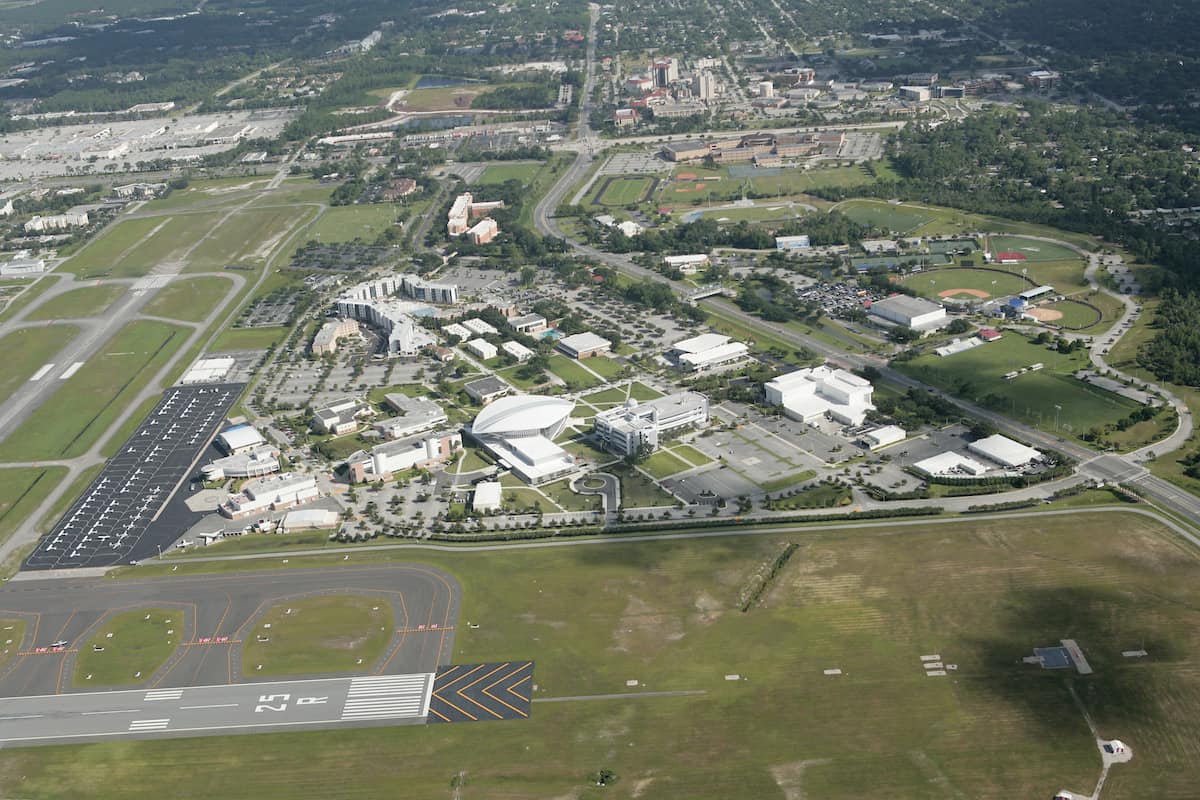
x: 212, y: 710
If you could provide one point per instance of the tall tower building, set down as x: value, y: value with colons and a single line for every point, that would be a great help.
x: 704, y: 86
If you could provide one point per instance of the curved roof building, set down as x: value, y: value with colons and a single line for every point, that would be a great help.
x: 519, y: 431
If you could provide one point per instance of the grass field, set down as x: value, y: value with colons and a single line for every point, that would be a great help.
x: 87, y: 403
x: 86, y: 301
x: 979, y: 593
x: 248, y: 339
x: 189, y: 299
x: 623, y: 190
x: 22, y: 490
x: 898, y: 219
x: 26, y: 351
x: 934, y: 283
x: 12, y: 631
x: 569, y: 370
x: 1075, y: 315
x: 499, y: 173
x: 978, y: 375
x: 638, y: 491
x: 101, y: 254
x: 319, y: 635
x: 1033, y: 250
x: 604, y: 366
x: 259, y: 544
x: 560, y: 492
x: 250, y: 236
x: 663, y: 464
x: 137, y: 645
x: 346, y: 223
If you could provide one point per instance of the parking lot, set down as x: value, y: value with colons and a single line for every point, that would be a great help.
x: 118, y: 518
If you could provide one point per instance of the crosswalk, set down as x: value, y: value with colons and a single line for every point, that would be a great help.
x: 388, y: 697
x: 139, y: 725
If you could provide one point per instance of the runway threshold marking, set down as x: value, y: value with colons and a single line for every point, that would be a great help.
x: 149, y: 724
x: 164, y: 694
x: 46, y: 651
x: 41, y: 373
x: 426, y: 629
x: 71, y: 370
x: 387, y: 696
x: 120, y: 711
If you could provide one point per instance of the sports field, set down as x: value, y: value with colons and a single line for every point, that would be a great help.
x: 978, y: 375
x: 1033, y: 249
x: 188, y: 299
x: 318, y: 635
x: 623, y: 190
x: 1074, y: 315
x: 86, y: 301
x: 87, y: 403
x: 126, y: 649
x: 762, y: 213
x: 966, y: 283
x: 346, y: 223
x: 979, y: 594
x: 28, y: 350
x: 898, y: 219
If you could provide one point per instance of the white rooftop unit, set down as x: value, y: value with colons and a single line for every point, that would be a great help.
x: 1004, y: 451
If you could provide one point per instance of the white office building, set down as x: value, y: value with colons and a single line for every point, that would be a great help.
x: 626, y: 429
x: 811, y: 394
x: 912, y: 312
x: 517, y: 350
x: 413, y: 415
x: 478, y: 326
x: 271, y: 494
x: 385, y: 460
x: 707, y: 351
x: 883, y: 436
x: 253, y: 463
x: 482, y: 348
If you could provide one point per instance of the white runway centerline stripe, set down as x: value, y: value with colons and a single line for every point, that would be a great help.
x: 41, y: 373
x: 149, y: 724
x: 71, y: 370
x: 213, y: 705
x: 164, y: 694
x: 387, y: 697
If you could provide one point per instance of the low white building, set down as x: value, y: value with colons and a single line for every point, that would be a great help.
x: 688, y: 265
x: 482, y: 348
x: 1005, y: 451
x: 517, y: 350
x: 478, y: 326
x: 271, y: 494
x: 454, y: 329
x: 810, y: 394
x: 385, y: 460
x: 23, y: 266
x: 254, y: 463
x: 626, y: 429
x: 707, y: 351
x: 340, y: 416
x: 583, y: 345
x: 487, y: 497
x: 912, y: 312
x: 309, y: 519
x: 950, y: 465
x: 239, y: 439
x: 883, y: 436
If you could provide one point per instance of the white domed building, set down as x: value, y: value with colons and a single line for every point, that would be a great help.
x: 519, y: 432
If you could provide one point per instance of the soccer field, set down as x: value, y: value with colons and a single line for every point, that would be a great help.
x: 885, y: 216
x: 978, y: 375
x: 623, y: 190
x: 979, y: 594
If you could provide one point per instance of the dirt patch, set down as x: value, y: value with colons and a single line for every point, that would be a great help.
x: 790, y: 777
x: 686, y: 176
x: 980, y: 293
x: 645, y: 628
x: 1044, y: 314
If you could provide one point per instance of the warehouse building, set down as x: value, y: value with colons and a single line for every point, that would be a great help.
x: 270, y: 494
x: 239, y: 439
x: 519, y: 433
x: 1005, y: 451
x: 950, y: 465
x: 883, y: 436
x: 816, y: 392
x: 635, y: 426
x: 912, y: 312
x: 706, y: 351
x: 583, y: 345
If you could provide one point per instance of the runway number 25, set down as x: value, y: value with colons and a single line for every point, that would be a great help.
x: 279, y: 702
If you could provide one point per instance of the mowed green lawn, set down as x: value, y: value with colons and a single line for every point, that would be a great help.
x: 346, y: 223
x: 899, y: 219
x: 22, y: 490
x: 247, y: 339
x: 86, y: 301
x: 978, y: 375
x: 28, y: 350
x: 623, y: 190
x: 569, y: 370
x: 499, y: 173
x: 979, y: 594
x: 933, y: 282
x: 138, y: 646
x: 101, y: 254
x: 319, y: 635
x: 12, y: 632
x: 1075, y: 315
x: 188, y: 299
x: 87, y: 403
x: 248, y: 237
x: 1033, y: 249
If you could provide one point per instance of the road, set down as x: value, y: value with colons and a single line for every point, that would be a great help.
x: 1092, y: 465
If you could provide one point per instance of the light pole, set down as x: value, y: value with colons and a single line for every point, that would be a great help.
x: 1057, y: 408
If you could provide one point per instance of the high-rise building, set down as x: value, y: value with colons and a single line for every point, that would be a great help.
x: 704, y: 86
x: 665, y: 71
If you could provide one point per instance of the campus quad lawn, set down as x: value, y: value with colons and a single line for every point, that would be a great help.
x: 320, y: 635
x: 638, y: 491
x: 562, y: 494
x: 623, y: 190
x: 663, y: 464
x: 569, y: 370
x: 605, y: 367
x: 86, y: 301
x: 84, y: 406
x: 1031, y: 397
x: 640, y: 391
x: 980, y: 593
x: 28, y: 350
x: 690, y: 454
x: 22, y: 489
x: 499, y: 173
x: 137, y: 645
x: 189, y: 299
